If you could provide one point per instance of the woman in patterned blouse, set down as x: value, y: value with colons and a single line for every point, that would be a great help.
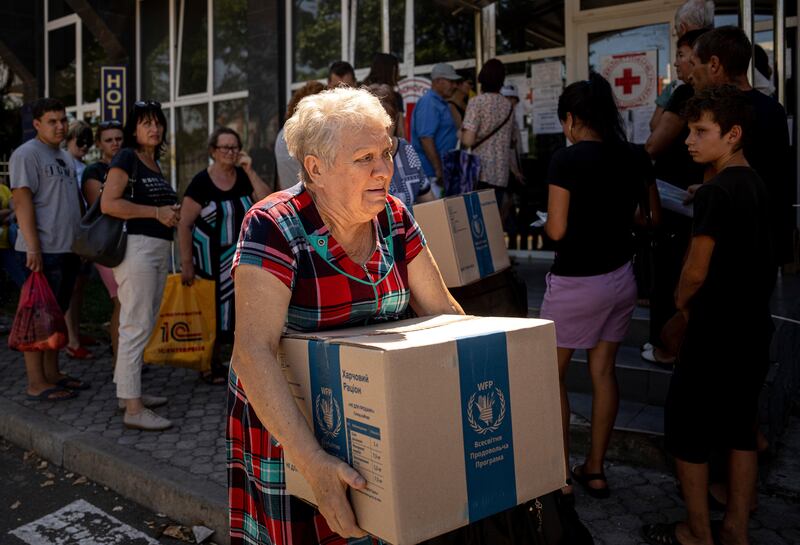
x: 334, y: 251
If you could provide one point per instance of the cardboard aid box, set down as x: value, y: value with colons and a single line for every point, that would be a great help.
x: 465, y: 236
x: 449, y: 419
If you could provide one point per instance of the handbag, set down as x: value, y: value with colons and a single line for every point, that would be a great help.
x: 103, y: 238
x: 461, y: 168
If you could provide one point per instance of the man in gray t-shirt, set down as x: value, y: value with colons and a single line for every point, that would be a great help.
x: 49, y: 174
x: 48, y: 210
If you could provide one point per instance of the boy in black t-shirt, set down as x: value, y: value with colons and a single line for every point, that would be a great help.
x: 713, y: 396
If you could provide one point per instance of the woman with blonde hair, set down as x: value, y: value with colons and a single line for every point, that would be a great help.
x: 373, y: 248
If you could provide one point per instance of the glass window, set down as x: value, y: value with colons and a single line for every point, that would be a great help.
x: 94, y: 57
x: 191, y: 150
x: 397, y: 28
x: 194, y: 47
x: 644, y: 38
x: 316, y: 37
x: 442, y: 33
x: 155, y: 49
x: 528, y: 25
x: 62, y: 64
x: 230, y: 51
x: 57, y: 9
x: 367, y: 31
x: 233, y: 114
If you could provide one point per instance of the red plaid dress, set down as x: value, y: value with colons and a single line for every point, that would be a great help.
x: 274, y: 237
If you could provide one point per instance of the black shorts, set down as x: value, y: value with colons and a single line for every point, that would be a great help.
x: 61, y: 271
x: 712, y: 402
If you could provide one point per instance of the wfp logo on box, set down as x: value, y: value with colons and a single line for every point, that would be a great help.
x: 488, y: 404
x: 328, y: 413
x: 179, y: 332
x: 477, y: 226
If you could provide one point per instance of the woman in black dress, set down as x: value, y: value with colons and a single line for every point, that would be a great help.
x: 211, y: 216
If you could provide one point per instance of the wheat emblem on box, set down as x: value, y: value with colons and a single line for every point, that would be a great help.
x: 328, y: 415
x: 486, y: 408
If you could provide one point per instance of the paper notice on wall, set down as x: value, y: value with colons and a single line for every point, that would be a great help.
x: 546, y: 122
x: 547, y: 74
x: 640, y: 123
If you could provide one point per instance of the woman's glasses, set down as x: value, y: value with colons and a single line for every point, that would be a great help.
x: 113, y: 124
x: 146, y: 104
x: 227, y: 149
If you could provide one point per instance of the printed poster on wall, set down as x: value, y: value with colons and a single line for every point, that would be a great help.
x: 633, y: 77
x: 546, y: 86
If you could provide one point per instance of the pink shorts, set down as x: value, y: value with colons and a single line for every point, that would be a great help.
x: 107, y: 276
x: 590, y: 309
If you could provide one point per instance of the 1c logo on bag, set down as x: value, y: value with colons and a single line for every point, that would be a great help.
x: 179, y: 332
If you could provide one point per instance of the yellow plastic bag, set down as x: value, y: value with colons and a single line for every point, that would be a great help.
x: 186, y: 327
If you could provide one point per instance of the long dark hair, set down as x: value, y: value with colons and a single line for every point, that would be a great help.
x: 592, y: 101
x: 383, y: 70
x: 144, y: 110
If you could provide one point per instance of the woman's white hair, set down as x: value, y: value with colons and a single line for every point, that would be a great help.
x: 321, y: 120
x: 695, y: 14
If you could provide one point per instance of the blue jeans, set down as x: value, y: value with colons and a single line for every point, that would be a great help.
x: 61, y: 270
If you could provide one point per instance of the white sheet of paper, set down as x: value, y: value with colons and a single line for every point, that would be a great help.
x: 672, y: 198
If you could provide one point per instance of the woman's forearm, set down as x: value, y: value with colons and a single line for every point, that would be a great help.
x: 269, y: 394
x: 124, y: 209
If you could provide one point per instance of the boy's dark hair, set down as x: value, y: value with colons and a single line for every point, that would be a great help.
x: 689, y: 38
x: 144, y: 110
x: 592, y: 101
x: 728, y: 107
x: 730, y: 45
x: 44, y: 105
x: 341, y: 69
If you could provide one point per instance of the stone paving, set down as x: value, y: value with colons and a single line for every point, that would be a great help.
x: 643, y: 496
x: 196, y: 444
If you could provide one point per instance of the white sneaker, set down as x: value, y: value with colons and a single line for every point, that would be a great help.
x: 146, y: 420
x: 151, y: 402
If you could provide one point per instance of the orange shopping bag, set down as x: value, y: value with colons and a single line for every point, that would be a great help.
x: 185, y: 330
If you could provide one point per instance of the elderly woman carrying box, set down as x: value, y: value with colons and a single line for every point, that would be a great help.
x: 334, y: 250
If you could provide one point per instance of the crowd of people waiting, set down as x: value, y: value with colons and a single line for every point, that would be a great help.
x: 342, y: 151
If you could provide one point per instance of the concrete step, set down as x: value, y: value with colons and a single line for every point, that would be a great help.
x: 639, y: 381
x: 638, y: 436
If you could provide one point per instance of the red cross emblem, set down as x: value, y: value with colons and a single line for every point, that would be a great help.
x: 627, y: 81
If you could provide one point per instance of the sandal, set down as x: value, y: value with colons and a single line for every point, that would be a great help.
x: 79, y: 353
x: 44, y: 395
x: 660, y: 534
x: 584, y: 479
x: 71, y: 383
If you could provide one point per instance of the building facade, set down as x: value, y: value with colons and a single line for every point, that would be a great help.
x: 236, y: 62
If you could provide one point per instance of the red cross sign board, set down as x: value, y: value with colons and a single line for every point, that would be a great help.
x: 633, y: 77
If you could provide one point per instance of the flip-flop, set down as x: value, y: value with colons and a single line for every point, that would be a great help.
x: 45, y: 394
x: 65, y: 383
x: 583, y: 479
x: 660, y: 534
